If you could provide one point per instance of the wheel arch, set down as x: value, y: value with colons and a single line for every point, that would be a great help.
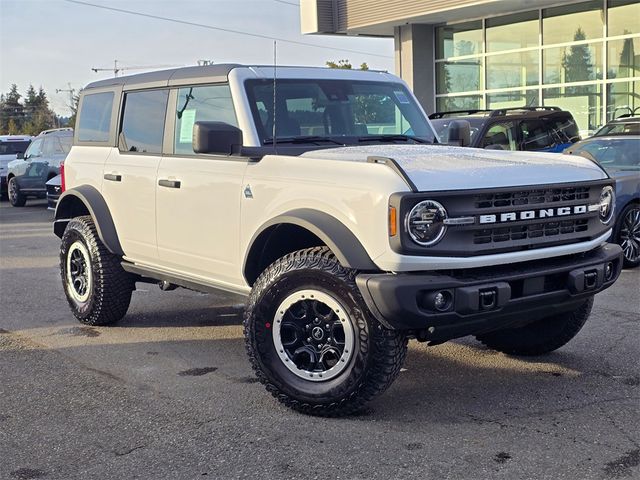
x: 87, y: 200
x: 298, y: 229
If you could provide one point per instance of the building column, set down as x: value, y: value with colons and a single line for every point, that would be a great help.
x: 415, y: 61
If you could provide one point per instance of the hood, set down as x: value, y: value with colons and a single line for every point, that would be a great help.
x: 440, y: 167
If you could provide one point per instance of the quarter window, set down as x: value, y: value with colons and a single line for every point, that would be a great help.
x: 212, y: 103
x: 143, y: 121
x: 95, y: 117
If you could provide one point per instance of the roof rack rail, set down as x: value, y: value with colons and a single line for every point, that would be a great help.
x: 503, y: 111
x: 51, y: 130
x: 437, y: 115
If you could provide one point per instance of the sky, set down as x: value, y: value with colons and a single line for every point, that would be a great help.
x: 54, y: 43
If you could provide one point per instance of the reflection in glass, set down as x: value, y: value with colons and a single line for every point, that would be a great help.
x: 623, y: 57
x: 460, y: 39
x: 584, y: 102
x: 512, y: 31
x: 468, y: 102
x: 623, y: 98
x: 576, y: 63
x: 516, y: 98
x: 587, y: 16
x: 623, y: 17
x: 512, y: 70
x: 459, y: 76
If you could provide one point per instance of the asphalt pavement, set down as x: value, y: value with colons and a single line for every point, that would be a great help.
x: 168, y: 393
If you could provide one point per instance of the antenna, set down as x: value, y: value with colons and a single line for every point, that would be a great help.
x: 274, y: 131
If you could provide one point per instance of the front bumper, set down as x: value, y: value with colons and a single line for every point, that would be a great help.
x: 489, y: 298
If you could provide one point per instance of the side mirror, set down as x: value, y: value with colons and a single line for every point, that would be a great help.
x: 460, y: 133
x: 20, y: 156
x: 216, y: 137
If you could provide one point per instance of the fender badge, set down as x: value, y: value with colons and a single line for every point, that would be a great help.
x: 247, y: 192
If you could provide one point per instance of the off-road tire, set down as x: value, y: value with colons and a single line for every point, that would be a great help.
x: 375, y: 361
x: 16, y: 198
x: 540, y: 337
x: 110, y: 287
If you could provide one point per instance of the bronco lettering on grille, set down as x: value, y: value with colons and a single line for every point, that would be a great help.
x: 533, y: 214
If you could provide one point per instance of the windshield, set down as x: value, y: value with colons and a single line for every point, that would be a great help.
x: 12, y: 147
x: 337, y: 111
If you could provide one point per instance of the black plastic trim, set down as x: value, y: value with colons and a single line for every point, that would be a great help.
x: 394, y: 299
x: 97, y: 207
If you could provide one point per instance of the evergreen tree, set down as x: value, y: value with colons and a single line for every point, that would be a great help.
x: 11, y: 109
x: 577, y: 64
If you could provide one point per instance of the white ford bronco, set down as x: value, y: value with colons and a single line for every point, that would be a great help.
x: 325, y: 197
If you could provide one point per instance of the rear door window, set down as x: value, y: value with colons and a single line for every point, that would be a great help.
x: 143, y: 121
x: 563, y: 128
x: 501, y: 136
x: 95, y: 117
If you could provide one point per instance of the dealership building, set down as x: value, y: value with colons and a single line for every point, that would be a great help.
x: 474, y: 54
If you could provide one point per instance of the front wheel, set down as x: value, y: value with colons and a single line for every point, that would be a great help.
x: 97, y: 288
x: 16, y: 197
x: 628, y: 235
x: 540, y: 337
x: 312, y: 341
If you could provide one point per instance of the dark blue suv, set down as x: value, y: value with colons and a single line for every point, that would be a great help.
x: 540, y: 129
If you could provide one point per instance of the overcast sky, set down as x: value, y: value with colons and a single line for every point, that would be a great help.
x: 52, y: 43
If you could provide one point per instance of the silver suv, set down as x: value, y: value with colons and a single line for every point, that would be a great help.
x: 324, y: 197
x: 27, y: 176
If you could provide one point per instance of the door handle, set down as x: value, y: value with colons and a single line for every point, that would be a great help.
x: 169, y: 183
x: 113, y: 177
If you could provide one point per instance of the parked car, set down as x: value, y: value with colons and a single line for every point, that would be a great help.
x: 10, y: 147
x: 28, y: 175
x: 620, y: 126
x: 620, y: 157
x: 54, y: 189
x: 539, y: 129
x: 345, y: 242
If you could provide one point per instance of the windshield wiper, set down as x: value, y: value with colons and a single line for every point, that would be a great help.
x: 392, y: 138
x: 302, y: 139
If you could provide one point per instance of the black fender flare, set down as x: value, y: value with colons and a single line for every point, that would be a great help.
x: 96, y: 206
x: 335, y: 235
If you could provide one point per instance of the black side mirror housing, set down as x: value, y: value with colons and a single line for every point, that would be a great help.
x: 216, y: 137
x: 460, y: 133
x: 20, y: 156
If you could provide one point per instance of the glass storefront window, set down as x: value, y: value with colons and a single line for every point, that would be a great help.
x: 517, y: 98
x: 584, y: 103
x: 512, y: 69
x: 468, y: 102
x: 575, y: 63
x: 512, y: 32
x: 585, y: 18
x: 623, y: 17
x: 623, y: 98
x: 460, y: 39
x: 623, y: 58
x: 459, y: 76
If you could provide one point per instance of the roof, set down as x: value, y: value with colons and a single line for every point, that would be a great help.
x: 211, y: 74
x: 625, y: 119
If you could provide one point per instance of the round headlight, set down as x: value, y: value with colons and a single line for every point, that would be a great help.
x: 607, y: 204
x: 425, y: 223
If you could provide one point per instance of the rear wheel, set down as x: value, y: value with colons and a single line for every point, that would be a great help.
x: 540, y: 337
x: 16, y: 198
x: 312, y: 341
x: 628, y: 236
x: 97, y: 288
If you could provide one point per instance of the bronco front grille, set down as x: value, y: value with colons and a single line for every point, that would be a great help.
x: 531, y: 197
x: 536, y: 230
x: 508, y: 219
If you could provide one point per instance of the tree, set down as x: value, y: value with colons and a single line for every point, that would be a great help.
x: 11, y: 109
x: 74, y: 110
x: 577, y: 64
